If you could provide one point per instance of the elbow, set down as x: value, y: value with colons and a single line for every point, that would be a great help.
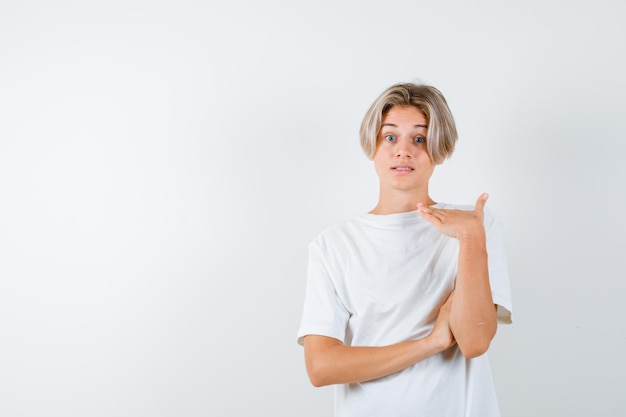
x: 474, y: 350
x: 317, y: 383
x: 318, y: 370
x: 320, y: 361
x: 317, y: 376
x: 478, y: 345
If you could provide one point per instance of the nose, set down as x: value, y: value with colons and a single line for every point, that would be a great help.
x: 403, y: 148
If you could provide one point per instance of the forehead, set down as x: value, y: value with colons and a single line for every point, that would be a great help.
x: 405, y: 115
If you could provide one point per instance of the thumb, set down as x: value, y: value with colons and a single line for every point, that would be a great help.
x: 482, y: 200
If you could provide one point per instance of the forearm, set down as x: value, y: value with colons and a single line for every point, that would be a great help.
x: 472, y: 315
x: 328, y: 361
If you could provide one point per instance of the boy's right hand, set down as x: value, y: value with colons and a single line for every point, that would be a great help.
x: 441, y: 334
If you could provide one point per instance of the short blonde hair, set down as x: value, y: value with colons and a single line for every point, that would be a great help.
x: 441, y: 136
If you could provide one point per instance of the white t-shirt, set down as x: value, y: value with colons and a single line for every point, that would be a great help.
x: 380, y: 280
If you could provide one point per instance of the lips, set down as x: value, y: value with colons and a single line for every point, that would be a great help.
x: 402, y: 168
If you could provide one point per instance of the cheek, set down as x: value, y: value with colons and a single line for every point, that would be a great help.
x: 423, y: 154
x: 424, y: 160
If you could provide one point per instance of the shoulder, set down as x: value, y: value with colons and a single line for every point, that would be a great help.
x: 337, y: 235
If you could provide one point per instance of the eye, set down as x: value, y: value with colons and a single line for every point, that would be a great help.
x: 419, y: 139
x: 389, y: 138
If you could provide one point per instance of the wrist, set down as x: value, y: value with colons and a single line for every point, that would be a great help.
x: 472, y: 237
x: 437, y: 343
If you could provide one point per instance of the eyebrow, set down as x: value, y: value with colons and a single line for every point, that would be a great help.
x: 394, y: 125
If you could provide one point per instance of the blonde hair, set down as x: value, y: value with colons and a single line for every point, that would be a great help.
x: 441, y: 136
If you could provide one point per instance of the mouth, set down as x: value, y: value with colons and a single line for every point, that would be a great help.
x: 402, y: 169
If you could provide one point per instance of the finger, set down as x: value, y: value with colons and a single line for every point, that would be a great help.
x: 429, y: 217
x: 422, y: 209
x: 482, y: 200
x: 428, y: 213
x: 422, y: 206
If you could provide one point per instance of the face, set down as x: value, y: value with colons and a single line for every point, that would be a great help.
x: 401, y: 159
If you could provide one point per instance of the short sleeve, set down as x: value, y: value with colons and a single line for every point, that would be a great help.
x: 498, y: 272
x: 323, y: 313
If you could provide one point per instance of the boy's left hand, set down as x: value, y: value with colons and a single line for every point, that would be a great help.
x: 456, y: 223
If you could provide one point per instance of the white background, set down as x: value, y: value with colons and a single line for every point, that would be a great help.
x: 164, y: 164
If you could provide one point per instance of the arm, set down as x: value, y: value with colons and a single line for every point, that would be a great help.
x: 472, y: 316
x: 328, y: 361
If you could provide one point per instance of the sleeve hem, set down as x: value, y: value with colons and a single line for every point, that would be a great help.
x: 504, y: 314
x: 318, y: 332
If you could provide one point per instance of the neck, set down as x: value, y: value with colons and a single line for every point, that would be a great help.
x: 396, y: 201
